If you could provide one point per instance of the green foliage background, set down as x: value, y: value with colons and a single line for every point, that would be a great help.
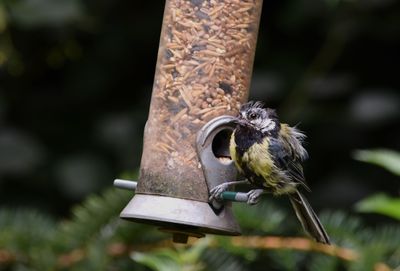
x: 75, y: 84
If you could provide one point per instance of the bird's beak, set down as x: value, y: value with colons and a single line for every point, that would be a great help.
x: 239, y: 121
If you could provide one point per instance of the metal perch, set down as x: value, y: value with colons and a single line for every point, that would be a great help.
x: 227, y: 195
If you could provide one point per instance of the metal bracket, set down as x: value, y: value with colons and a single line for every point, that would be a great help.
x: 217, y: 170
x: 213, y: 152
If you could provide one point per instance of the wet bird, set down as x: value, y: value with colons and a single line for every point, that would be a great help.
x: 269, y: 155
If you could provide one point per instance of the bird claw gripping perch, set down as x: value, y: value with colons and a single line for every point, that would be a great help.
x: 220, y: 193
x: 254, y: 196
x: 217, y: 191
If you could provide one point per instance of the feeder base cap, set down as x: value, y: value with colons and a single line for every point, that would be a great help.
x: 194, y: 218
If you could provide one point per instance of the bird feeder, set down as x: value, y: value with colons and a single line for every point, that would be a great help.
x: 203, y: 71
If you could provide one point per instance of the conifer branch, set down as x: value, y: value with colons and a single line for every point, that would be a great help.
x: 119, y: 249
x: 6, y: 257
x: 295, y: 243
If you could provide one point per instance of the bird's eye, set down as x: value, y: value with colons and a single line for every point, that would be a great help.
x: 252, y: 116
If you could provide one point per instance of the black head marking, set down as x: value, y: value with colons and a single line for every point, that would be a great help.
x: 272, y: 114
x: 254, y: 116
x: 250, y: 105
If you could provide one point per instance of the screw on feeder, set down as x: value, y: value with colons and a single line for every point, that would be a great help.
x: 125, y: 184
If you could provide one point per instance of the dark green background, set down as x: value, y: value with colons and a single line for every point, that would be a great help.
x: 76, y: 79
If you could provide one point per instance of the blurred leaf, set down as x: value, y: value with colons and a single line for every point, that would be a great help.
x: 27, y: 235
x: 220, y: 260
x: 3, y: 19
x: 388, y: 159
x: 375, y: 107
x: 333, y: 3
x: 92, y: 217
x: 14, y: 233
x: 243, y: 252
x: 324, y: 262
x: 33, y: 13
x: 20, y: 153
x: 174, y: 259
x: 265, y: 217
x: 156, y: 261
x: 381, y: 204
x: 341, y: 227
x: 288, y: 259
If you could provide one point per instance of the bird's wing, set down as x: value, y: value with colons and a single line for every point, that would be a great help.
x: 285, y: 159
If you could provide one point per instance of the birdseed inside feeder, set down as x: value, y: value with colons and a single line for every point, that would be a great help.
x: 203, y: 71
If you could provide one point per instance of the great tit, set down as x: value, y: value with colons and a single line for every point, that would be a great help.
x: 269, y: 155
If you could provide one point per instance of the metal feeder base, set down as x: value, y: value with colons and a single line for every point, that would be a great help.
x: 182, y: 217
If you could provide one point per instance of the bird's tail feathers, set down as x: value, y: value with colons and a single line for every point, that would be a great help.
x: 308, y: 218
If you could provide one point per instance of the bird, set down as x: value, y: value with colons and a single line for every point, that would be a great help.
x: 269, y: 154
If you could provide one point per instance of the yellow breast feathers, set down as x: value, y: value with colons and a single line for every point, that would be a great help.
x: 234, y: 156
x: 257, y: 158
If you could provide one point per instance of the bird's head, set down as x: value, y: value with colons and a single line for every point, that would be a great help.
x: 254, y: 115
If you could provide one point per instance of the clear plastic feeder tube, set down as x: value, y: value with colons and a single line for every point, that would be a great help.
x: 203, y: 70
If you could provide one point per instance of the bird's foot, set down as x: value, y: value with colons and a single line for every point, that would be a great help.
x: 216, y: 192
x: 254, y: 196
